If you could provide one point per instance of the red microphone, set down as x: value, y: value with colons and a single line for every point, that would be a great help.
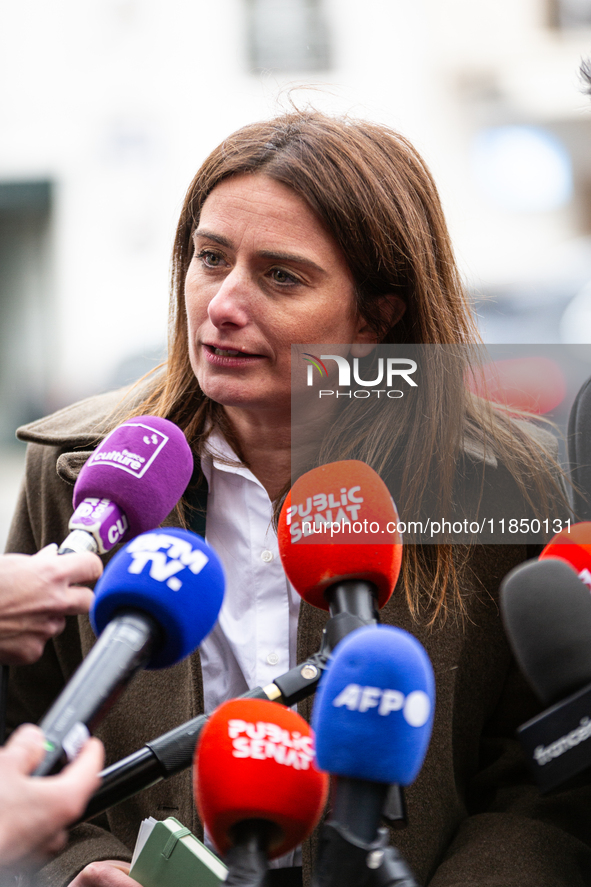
x: 339, y: 523
x: 573, y: 546
x: 257, y: 788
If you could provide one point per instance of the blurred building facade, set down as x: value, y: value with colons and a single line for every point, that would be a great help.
x: 108, y: 107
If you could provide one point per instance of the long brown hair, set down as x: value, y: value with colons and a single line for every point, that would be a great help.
x: 374, y: 194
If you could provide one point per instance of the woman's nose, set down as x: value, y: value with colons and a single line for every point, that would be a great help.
x: 231, y: 302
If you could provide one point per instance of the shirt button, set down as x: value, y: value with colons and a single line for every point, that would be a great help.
x: 272, y: 658
x: 267, y: 556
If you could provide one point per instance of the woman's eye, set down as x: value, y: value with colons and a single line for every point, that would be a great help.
x: 209, y: 258
x: 281, y: 276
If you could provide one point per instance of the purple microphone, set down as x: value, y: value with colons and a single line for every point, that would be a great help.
x: 129, y: 485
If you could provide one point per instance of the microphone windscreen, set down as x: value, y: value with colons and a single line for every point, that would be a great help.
x: 547, y: 614
x: 255, y: 760
x: 374, y: 707
x: 175, y: 577
x: 573, y: 546
x: 144, y: 466
x: 369, y: 548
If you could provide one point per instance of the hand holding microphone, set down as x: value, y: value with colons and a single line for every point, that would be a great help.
x: 156, y: 601
x: 257, y: 788
x: 37, y: 592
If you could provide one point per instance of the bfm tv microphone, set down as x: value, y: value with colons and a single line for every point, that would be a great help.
x: 349, y: 573
x: 573, y: 546
x: 257, y: 787
x: 372, y: 717
x: 156, y: 601
x: 129, y: 485
x: 547, y: 614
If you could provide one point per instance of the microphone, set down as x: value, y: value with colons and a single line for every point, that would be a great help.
x: 573, y: 545
x: 547, y: 614
x: 372, y: 717
x: 156, y: 601
x: 131, y: 482
x: 173, y: 752
x: 257, y: 788
x: 352, y: 603
x: 340, y: 545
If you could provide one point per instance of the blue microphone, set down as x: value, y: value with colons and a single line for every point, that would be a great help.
x: 372, y: 718
x: 156, y: 601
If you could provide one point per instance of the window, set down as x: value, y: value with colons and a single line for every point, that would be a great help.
x: 287, y: 35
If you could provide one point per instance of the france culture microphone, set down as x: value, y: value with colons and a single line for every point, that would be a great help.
x: 546, y: 610
x: 131, y: 482
x: 257, y: 788
x: 339, y: 543
x: 157, y: 599
x: 573, y: 545
x: 372, y: 718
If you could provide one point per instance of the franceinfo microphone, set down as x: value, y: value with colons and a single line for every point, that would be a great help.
x: 339, y: 544
x: 129, y: 485
x: 158, y: 598
x: 257, y: 788
x: 547, y: 614
x: 372, y: 717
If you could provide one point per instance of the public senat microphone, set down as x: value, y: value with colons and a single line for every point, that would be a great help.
x: 129, y: 485
x: 257, y: 787
x: 156, y: 601
x: 547, y: 614
x: 573, y: 545
x: 339, y: 543
x: 372, y: 719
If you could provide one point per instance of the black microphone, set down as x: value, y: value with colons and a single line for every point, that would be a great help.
x: 156, y: 601
x: 173, y: 752
x: 547, y: 614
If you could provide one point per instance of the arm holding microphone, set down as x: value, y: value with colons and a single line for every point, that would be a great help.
x: 36, y: 594
x: 34, y: 813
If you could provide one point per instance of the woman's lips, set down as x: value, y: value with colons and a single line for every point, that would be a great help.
x: 229, y: 357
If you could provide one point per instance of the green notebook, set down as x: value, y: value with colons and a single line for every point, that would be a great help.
x: 173, y: 857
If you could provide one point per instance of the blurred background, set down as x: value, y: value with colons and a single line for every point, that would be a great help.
x: 108, y: 107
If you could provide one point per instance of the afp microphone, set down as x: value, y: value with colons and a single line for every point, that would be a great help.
x: 158, y: 598
x: 372, y: 718
x: 131, y: 482
x: 339, y: 543
x: 257, y: 788
x: 547, y: 614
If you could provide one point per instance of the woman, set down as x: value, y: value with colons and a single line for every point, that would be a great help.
x: 309, y: 229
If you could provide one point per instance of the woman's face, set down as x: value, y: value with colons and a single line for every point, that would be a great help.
x: 265, y: 275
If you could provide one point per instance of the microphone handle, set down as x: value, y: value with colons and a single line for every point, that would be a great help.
x: 173, y: 751
x: 392, y: 871
x: 345, y: 861
x: 247, y: 859
x: 358, y: 806
x: 123, y: 648
x: 77, y: 542
x: 352, y: 604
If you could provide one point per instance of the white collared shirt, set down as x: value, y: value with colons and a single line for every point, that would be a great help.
x: 254, y: 639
